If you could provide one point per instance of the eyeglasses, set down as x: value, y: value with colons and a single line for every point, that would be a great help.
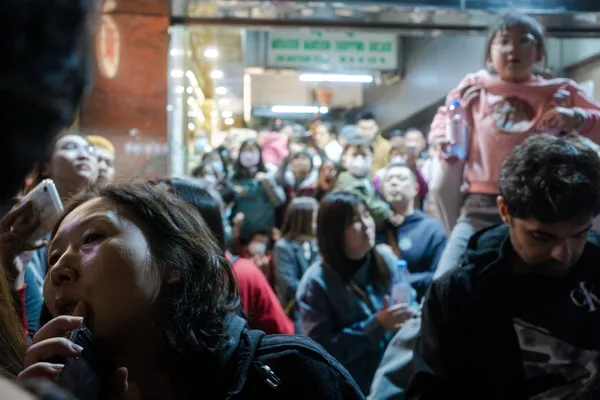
x: 86, y: 148
x: 504, y: 43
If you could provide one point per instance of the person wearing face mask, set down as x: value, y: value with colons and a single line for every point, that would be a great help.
x: 300, y: 176
x: 357, y: 160
x: 213, y: 171
x: 258, y: 196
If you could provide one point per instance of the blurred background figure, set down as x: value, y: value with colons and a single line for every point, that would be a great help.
x: 105, y: 152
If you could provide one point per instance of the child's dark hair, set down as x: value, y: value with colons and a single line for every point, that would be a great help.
x: 530, y: 24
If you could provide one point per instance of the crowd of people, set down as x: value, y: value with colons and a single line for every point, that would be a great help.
x: 306, y: 262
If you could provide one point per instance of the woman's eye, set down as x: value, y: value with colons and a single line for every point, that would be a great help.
x: 53, y: 259
x: 92, y: 237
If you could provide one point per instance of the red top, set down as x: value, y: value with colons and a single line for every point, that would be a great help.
x: 258, y: 299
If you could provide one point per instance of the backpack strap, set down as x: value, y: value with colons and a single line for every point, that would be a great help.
x: 255, y: 337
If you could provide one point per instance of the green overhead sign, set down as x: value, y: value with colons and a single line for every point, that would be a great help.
x: 332, y: 50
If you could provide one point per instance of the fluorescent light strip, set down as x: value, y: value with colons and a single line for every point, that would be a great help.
x: 195, y: 109
x: 336, y: 78
x: 299, y: 110
x: 194, y: 82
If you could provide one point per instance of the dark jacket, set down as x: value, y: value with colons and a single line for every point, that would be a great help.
x: 468, y: 347
x: 302, y: 368
x: 291, y: 264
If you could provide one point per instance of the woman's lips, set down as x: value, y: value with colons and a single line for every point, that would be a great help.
x: 83, y: 167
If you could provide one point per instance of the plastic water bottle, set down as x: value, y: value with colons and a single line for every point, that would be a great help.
x: 456, y: 131
x: 402, y: 291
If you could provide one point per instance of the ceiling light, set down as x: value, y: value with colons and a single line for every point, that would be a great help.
x: 216, y: 74
x: 229, y: 121
x: 211, y: 53
x: 190, y: 90
x: 227, y: 114
x: 191, y: 127
x: 221, y: 90
x: 299, y: 110
x: 179, y: 89
x: 223, y: 102
x: 336, y: 78
x: 177, y: 73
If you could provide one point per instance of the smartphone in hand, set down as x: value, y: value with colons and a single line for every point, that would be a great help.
x: 47, y: 204
x: 87, y: 376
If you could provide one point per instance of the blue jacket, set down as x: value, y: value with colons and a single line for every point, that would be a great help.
x: 340, y: 321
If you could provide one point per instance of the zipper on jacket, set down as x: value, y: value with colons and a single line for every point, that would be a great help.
x: 267, y: 375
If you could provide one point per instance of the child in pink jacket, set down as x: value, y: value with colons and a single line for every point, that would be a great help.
x: 504, y: 104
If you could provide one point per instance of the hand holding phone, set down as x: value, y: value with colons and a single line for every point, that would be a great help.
x: 64, y: 350
x: 15, y: 229
x: 47, y: 204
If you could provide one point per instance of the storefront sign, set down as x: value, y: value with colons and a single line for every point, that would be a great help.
x: 332, y: 50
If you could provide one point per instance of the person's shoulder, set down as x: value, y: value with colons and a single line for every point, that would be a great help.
x: 475, y: 78
x: 315, y: 277
x: 433, y: 222
x: 456, y: 283
x: 283, y: 243
x: 315, y: 272
x: 245, y: 268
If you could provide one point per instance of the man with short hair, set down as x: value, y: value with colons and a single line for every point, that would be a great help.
x: 105, y: 151
x: 520, y: 318
x: 369, y: 131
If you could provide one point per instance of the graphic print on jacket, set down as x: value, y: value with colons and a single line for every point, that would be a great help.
x: 554, y: 369
x: 558, y: 335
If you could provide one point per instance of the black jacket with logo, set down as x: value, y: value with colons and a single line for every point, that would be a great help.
x: 468, y: 347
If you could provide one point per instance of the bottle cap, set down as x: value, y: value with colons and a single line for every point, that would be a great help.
x: 454, y: 104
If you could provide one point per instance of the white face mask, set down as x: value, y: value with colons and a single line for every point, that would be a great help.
x: 210, y: 179
x: 249, y: 159
x: 359, y: 166
x: 397, y: 160
x: 257, y: 248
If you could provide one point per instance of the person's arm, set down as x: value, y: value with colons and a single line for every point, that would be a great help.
x: 589, y: 110
x: 437, y: 131
x: 435, y: 355
x: 287, y: 279
x: 264, y: 310
x: 346, y: 344
x: 274, y: 192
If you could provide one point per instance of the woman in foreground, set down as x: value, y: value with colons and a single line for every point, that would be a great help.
x: 141, y: 270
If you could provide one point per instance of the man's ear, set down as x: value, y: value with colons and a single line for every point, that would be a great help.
x: 503, y: 209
